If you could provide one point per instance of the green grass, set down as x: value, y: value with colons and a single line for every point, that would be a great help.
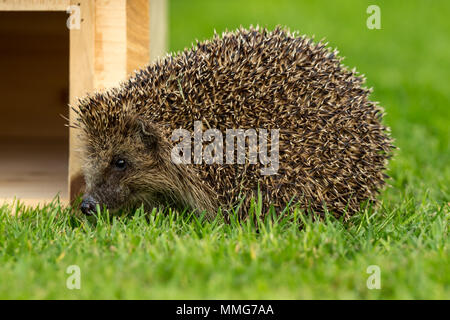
x: 157, y: 255
x: 181, y: 256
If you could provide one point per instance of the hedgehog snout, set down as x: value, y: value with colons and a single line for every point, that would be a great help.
x: 88, y: 205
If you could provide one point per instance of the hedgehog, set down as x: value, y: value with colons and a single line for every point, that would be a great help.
x: 330, y: 144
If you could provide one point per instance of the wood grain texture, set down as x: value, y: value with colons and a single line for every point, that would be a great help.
x: 110, y: 43
x: 34, y: 5
x: 138, y: 33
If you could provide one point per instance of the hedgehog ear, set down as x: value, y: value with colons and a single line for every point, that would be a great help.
x: 149, y: 134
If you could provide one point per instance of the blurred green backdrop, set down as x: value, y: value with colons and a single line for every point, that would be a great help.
x: 407, y: 62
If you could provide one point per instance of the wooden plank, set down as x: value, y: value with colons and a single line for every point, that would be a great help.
x: 138, y: 54
x: 158, y: 28
x: 110, y: 43
x: 34, y: 5
x: 81, y: 82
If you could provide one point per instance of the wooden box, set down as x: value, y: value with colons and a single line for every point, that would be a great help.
x: 51, y: 52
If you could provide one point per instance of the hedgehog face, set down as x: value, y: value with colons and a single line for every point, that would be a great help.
x: 106, y: 180
x: 119, y: 166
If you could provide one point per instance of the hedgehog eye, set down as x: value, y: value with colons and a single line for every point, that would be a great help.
x: 120, y: 164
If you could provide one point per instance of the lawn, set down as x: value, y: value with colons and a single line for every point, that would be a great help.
x: 170, y: 255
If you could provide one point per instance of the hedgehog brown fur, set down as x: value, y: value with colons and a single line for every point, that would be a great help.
x: 333, y: 148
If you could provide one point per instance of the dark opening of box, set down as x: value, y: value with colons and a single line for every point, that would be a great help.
x: 34, y: 87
